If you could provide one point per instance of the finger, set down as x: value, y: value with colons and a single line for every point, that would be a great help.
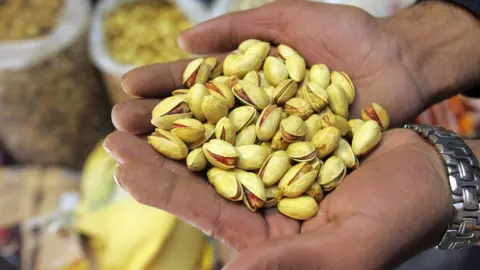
x: 134, y: 115
x: 280, y: 225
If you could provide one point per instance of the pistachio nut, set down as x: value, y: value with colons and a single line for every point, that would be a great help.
x: 242, y: 116
x: 278, y: 142
x: 225, y: 183
x: 301, y: 208
x: 298, y: 107
x: 297, y: 180
x: 169, y: 110
x: 285, y: 91
x: 267, y: 146
x: 274, y: 195
x: 253, y: 77
x: 275, y: 71
x: 242, y: 48
x: 332, y: 173
x: 326, y: 141
x: 270, y: 91
x: 353, y: 126
x: 220, y: 154
x: 263, y: 80
x: 259, y: 49
x: 293, y: 128
x: 285, y: 51
x: 179, y: 92
x: 196, y: 160
x: 316, y: 163
x: 207, y: 135
x: 366, y: 138
x: 316, y: 95
x: 337, y: 100
x: 376, y: 113
x: 333, y: 120
x: 274, y: 167
x: 296, y: 67
x: 194, y: 99
x: 344, y: 81
x: 195, y: 72
x: 320, y: 74
x: 313, y: 124
x: 168, y: 144
x: 254, y: 191
x: 268, y: 122
x: 316, y: 192
x: 214, y: 108
x: 324, y: 111
x: 301, y: 151
x: 251, y: 157
x: 221, y: 91
x: 345, y: 152
x: 188, y: 129
x: 246, y: 136
x: 225, y: 130
x: 215, y: 67
x: 240, y: 64
x: 250, y: 94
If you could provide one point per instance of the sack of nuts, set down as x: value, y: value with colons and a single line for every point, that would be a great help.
x: 270, y: 131
x: 53, y: 107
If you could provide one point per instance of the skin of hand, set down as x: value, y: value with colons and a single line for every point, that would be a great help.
x: 395, y: 205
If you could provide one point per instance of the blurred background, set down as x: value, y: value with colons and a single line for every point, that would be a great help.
x: 60, y: 68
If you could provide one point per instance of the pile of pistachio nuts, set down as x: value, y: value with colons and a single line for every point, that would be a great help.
x: 270, y: 131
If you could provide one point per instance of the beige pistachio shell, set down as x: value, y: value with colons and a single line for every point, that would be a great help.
x: 246, y: 136
x: 301, y: 208
x: 366, y: 138
x: 296, y: 67
x: 188, y: 129
x: 242, y: 48
x: 240, y: 64
x: 293, y: 128
x: 263, y: 81
x: 301, y: 151
x: 250, y: 94
x: 316, y: 95
x: 242, y: 116
x: 215, y: 66
x: 298, y: 107
x: 270, y: 91
x: 220, y: 154
x: 320, y: 74
x: 278, y: 142
x: 284, y: 51
x: 253, y: 77
x: 267, y: 146
x: 251, y: 157
x: 332, y: 173
x: 297, y: 180
x: 324, y: 111
x: 345, y: 152
x: 274, y: 167
x: 254, y: 191
x: 333, y: 120
x: 179, y: 92
x: 342, y: 79
x: 221, y: 79
x: 169, y: 110
x: 313, y: 124
x: 274, y: 195
x: 207, y: 135
x: 194, y: 99
x: 225, y: 183
x: 316, y: 163
x: 275, y: 71
x: 316, y: 192
x: 168, y: 144
x: 285, y: 91
x: 353, y: 126
x: 326, y: 141
x: 225, y: 130
x: 260, y: 49
x: 306, y: 79
x: 337, y: 100
x: 221, y: 91
x: 196, y: 160
x: 214, y: 109
x: 378, y: 114
x: 195, y: 72
x: 268, y: 122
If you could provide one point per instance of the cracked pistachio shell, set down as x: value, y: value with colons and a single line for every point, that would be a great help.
x: 168, y: 144
x: 195, y: 72
x: 196, y: 160
x: 301, y: 208
x: 274, y: 167
x: 285, y: 51
x: 221, y: 91
x: 225, y: 183
x: 242, y: 48
x: 324, y: 111
x: 220, y: 79
x: 260, y: 49
x: 320, y: 74
x: 274, y: 195
x: 263, y: 80
x: 366, y: 138
x: 188, y: 129
x: 246, y: 136
x: 194, y: 99
x: 254, y: 191
x: 275, y: 71
x: 250, y: 94
x: 316, y: 163
x: 333, y: 120
x: 296, y: 67
x: 298, y: 107
x: 342, y: 79
x: 220, y: 154
x: 225, y: 130
x: 267, y: 146
x: 251, y: 157
x: 169, y: 110
x: 378, y: 114
x: 278, y: 142
x: 353, y: 126
x: 215, y: 66
x: 316, y: 95
x: 345, y: 152
x: 240, y: 64
x: 253, y: 77
x: 332, y: 173
x: 242, y: 116
x: 214, y: 108
x: 207, y: 135
x: 306, y: 79
x: 293, y: 128
x: 316, y: 192
x: 337, y: 100
x: 297, y: 180
x: 285, y: 91
x: 301, y: 151
x: 270, y: 91
x: 313, y: 124
x: 179, y: 92
x: 268, y: 122
x: 326, y: 141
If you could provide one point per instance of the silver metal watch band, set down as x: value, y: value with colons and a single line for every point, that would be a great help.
x: 464, y: 177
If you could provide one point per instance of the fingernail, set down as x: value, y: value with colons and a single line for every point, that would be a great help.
x: 122, y: 79
x: 115, y: 176
x: 181, y: 43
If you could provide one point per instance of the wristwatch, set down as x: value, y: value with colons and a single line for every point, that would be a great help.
x: 463, y: 172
